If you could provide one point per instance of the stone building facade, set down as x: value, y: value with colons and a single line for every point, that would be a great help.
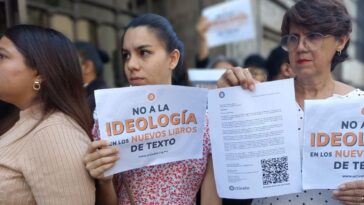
x: 103, y: 22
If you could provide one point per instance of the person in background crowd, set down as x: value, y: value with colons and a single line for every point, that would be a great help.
x: 41, y: 154
x: 316, y: 35
x: 277, y: 65
x: 256, y: 65
x: 151, y: 51
x: 222, y: 62
x: 92, y: 60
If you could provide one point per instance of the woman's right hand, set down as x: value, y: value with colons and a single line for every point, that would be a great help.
x: 237, y: 76
x: 99, y: 158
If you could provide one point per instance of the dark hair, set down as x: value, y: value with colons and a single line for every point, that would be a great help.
x: 55, y: 59
x: 222, y: 58
x: 103, y: 55
x: 181, y: 77
x: 9, y: 114
x: 275, y: 60
x: 324, y: 16
x: 88, y: 51
x: 164, y: 31
x: 254, y: 60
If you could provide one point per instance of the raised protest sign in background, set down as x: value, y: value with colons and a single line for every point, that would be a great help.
x: 152, y: 124
x: 230, y: 21
x: 333, y: 150
x: 206, y: 78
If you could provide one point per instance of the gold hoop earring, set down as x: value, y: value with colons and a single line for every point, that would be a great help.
x: 36, y: 85
x: 338, y: 53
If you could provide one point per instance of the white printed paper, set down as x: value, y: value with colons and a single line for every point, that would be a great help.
x: 254, y: 138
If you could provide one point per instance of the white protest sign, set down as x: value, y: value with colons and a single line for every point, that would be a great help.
x: 333, y: 148
x: 231, y: 21
x: 152, y: 124
x: 206, y: 78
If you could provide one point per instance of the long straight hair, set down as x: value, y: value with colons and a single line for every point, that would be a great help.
x: 55, y: 59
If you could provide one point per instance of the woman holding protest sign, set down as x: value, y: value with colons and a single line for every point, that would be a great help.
x: 316, y: 35
x: 151, y: 52
x: 41, y: 154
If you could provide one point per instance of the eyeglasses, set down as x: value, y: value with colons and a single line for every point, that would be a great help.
x: 312, y: 41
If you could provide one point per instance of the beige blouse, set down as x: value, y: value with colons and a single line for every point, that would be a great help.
x: 44, y: 166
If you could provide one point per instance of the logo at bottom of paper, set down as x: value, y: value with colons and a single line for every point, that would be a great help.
x: 235, y: 188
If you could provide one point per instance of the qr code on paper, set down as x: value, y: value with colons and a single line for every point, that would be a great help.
x: 275, y: 170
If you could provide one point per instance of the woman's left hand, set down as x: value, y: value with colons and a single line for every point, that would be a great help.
x: 351, y: 193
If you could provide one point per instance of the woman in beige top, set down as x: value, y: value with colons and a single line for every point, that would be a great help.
x: 41, y: 155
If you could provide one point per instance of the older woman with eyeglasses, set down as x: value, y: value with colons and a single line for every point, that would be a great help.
x: 316, y: 35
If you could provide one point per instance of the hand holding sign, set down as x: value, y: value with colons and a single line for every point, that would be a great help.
x: 99, y: 158
x: 350, y: 193
x: 237, y: 76
x: 202, y: 26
